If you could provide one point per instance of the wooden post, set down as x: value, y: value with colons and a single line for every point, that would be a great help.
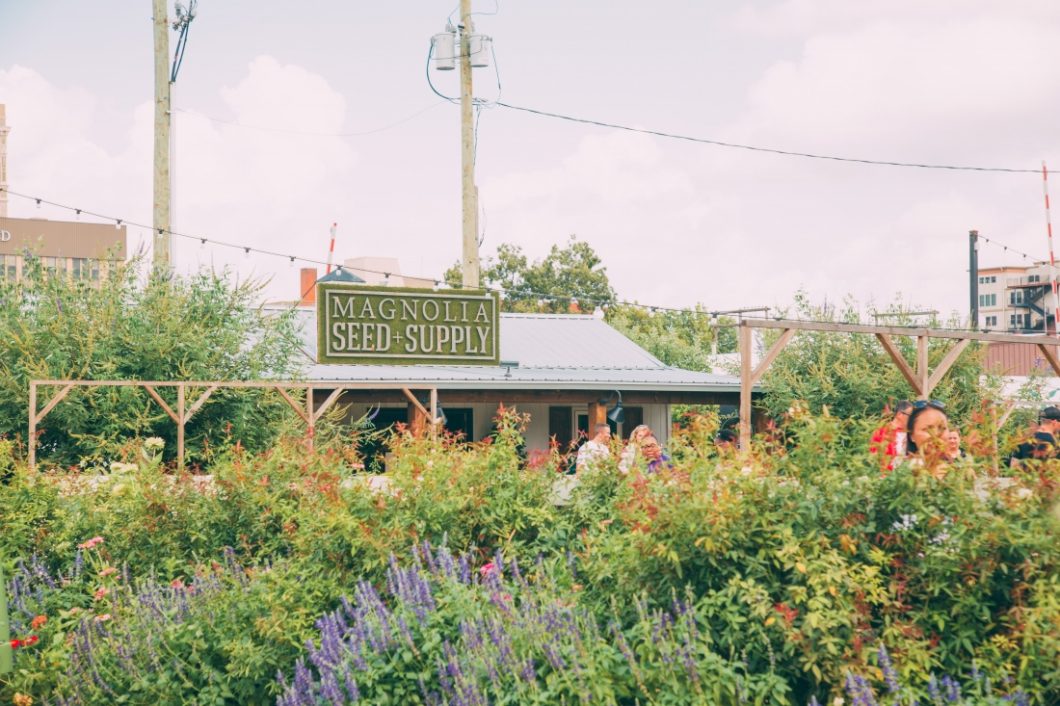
x: 31, y: 440
x: 310, y: 420
x: 6, y: 658
x: 434, y: 414
x: 922, y: 372
x: 746, y: 343
x: 181, y: 421
x: 597, y: 415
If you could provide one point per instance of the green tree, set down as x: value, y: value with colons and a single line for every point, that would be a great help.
x: 124, y: 327
x: 683, y: 339
x: 572, y: 277
x: 852, y: 374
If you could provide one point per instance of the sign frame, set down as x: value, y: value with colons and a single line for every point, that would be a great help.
x: 476, y: 299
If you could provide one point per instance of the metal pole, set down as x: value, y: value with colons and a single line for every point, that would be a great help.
x: 161, y: 222
x: 1052, y: 259
x: 973, y: 278
x: 469, y: 263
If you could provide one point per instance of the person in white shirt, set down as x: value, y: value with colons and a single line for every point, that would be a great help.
x: 596, y: 449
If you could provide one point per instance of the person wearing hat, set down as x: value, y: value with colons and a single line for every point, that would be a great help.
x: 1042, y: 446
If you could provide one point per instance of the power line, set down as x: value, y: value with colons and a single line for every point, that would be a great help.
x: 754, y: 148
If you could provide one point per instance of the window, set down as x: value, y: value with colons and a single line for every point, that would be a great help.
x: 85, y: 268
x: 460, y: 420
x: 1034, y: 278
x: 8, y: 266
x: 53, y: 265
x: 987, y: 300
x: 633, y: 419
x: 1015, y: 297
x: 990, y: 321
x: 561, y: 426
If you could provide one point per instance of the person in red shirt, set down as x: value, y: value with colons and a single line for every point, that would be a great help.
x: 889, y: 441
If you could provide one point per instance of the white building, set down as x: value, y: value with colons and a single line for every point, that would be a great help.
x: 1017, y: 298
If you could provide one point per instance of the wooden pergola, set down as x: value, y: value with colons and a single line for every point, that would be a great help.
x: 308, y: 411
x: 920, y: 377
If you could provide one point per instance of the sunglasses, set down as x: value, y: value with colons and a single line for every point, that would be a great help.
x: 934, y: 404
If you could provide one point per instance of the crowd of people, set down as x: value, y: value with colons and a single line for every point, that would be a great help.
x: 642, y: 449
x: 920, y: 432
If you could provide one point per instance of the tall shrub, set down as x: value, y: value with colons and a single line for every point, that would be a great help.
x: 207, y: 326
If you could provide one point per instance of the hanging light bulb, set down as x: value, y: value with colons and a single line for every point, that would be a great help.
x: 386, y: 278
x: 38, y: 204
x: 78, y: 212
x: 117, y: 224
x: 202, y: 243
x: 246, y: 252
x: 291, y: 263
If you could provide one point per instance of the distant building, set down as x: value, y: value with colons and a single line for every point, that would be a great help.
x: 1017, y: 299
x: 75, y: 249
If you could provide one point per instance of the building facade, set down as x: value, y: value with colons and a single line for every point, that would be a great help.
x: 70, y: 248
x: 1017, y: 299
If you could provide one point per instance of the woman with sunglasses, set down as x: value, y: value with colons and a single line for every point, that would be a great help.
x: 930, y: 438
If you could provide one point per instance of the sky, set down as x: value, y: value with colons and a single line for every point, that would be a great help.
x: 266, y: 88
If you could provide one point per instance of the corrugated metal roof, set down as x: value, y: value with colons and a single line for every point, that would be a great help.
x: 553, y: 351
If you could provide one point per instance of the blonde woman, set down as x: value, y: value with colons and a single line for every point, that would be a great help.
x: 632, y: 449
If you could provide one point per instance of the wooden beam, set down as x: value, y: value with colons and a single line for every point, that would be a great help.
x: 328, y: 401
x: 434, y: 413
x: 182, y: 420
x: 900, y: 361
x: 297, y: 407
x: 199, y: 402
x: 828, y: 326
x: 922, y: 371
x: 772, y: 354
x: 415, y: 402
x: 310, y: 417
x: 1050, y: 355
x: 158, y: 398
x: 945, y: 364
x: 1010, y: 407
x: 31, y: 439
x: 746, y: 382
x: 54, y: 401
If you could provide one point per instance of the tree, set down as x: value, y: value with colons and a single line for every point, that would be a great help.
x: 683, y: 339
x: 122, y: 327
x: 569, y: 278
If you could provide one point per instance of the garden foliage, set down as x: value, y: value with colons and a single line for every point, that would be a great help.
x: 125, y: 327
x: 782, y: 578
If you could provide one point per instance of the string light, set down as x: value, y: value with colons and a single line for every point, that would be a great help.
x: 78, y: 213
x: 541, y: 296
x: 38, y: 204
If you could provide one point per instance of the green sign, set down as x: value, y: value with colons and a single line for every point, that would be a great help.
x: 398, y: 326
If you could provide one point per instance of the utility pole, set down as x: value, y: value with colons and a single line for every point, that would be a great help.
x: 973, y: 278
x: 470, y: 262
x: 162, y: 242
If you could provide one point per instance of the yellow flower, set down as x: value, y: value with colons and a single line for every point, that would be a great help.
x: 23, y: 700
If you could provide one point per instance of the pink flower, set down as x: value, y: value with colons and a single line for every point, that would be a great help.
x: 487, y: 569
x: 101, y: 594
x: 177, y: 583
x: 103, y: 618
x: 107, y: 572
x: 91, y: 544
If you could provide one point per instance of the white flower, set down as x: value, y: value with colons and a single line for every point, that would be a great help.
x: 154, y: 442
x: 1024, y: 493
x: 117, y: 467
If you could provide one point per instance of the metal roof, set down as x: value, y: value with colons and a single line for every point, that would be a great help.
x: 553, y: 351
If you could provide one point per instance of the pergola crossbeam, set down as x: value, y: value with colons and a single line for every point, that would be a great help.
x: 921, y: 378
x: 183, y: 413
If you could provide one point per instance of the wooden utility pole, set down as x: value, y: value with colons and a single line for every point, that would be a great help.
x: 469, y: 262
x: 161, y: 220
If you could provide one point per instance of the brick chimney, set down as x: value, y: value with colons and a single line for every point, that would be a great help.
x: 308, y: 290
